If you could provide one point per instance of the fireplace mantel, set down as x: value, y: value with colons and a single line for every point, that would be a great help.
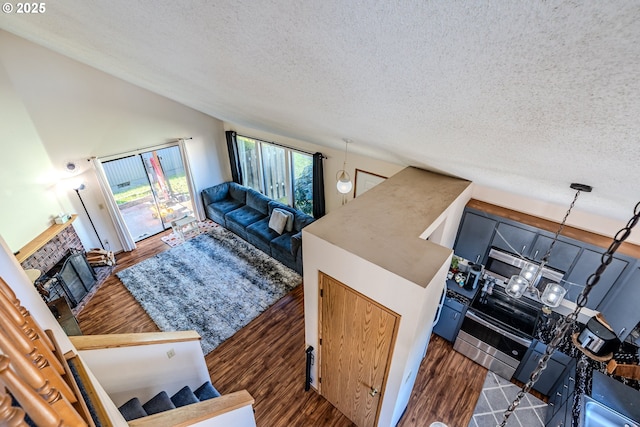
x: 32, y: 247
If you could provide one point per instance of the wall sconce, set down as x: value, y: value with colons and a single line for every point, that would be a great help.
x: 344, y: 184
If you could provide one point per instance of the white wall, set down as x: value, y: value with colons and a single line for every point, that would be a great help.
x: 144, y: 371
x: 66, y: 111
x: 333, y: 163
x: 415, y: 304
x: 26, y: 186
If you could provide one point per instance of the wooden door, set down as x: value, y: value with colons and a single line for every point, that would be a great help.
x: 356, y: 341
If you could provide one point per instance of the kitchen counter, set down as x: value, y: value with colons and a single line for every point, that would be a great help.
x: 587, y: 369
x: 459, y: 293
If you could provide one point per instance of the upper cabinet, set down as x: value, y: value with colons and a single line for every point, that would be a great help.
x: 586, y: 265
x: 513, y: 238
x: 474, y: 236
x: 563, y: 254
x: 480, y: 230
x: 620, y: 306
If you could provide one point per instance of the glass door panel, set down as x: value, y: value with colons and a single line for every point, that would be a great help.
x: 132, y: 192
x: 150, y: 190
x: 169, y: 184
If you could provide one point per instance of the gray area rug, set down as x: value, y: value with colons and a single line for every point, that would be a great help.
x: 214, y: 284
x: 496, y: 396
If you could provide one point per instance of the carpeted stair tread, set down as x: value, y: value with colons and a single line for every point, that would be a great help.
x: 206, y: 391
x: 159, y: 403
x: 183, y: 397
x: 132, y: 409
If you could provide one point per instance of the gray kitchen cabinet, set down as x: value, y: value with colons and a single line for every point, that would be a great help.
x: 585, y: 266
x: 450, y: 319
x: 474, y: 236
x: 514, y: 239
x: 562, y: 255
x: 556, y: 366
x: 620, y: 305
x: 561, y: 397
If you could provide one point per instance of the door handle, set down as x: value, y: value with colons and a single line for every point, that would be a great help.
x: 374, y: 391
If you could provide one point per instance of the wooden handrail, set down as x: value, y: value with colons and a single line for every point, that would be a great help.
x: 97, y: 342
x: 39, y: 411
x: 10, y: 416
x: 196, y: 412
x: 11, y: 296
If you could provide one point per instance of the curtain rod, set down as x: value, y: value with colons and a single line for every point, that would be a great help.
x: 280, y: 145
x: 138, y: 150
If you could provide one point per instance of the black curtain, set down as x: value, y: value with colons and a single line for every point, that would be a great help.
x: 318, y: 186
x: 234, y: 159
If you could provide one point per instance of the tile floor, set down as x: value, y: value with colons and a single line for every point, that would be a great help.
x: 497, y: 393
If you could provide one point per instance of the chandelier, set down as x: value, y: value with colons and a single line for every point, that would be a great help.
x: 530, y: 273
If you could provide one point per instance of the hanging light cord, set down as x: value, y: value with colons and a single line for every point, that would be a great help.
x: 567, y: 322
x: 546, y: 256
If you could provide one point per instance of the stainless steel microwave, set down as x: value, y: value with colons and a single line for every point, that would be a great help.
x: 502, y: 265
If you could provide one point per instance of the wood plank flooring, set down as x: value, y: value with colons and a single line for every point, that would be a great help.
x: 267, y: 358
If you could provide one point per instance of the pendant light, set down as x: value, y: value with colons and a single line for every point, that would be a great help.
x: 344, y: 184
x: 530, y: 273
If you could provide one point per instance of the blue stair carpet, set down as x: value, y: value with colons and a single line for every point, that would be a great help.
x: 161, y: 402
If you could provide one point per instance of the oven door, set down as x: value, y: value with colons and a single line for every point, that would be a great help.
x: 489, y: 345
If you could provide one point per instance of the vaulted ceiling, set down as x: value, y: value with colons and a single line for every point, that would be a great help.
x: 526, y: 97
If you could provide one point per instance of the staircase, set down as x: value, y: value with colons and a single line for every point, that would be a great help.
x: 161, y: 402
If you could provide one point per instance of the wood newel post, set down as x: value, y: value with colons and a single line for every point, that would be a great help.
x: 37, y: 409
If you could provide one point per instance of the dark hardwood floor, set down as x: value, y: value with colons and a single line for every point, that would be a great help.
x: 267, y: 359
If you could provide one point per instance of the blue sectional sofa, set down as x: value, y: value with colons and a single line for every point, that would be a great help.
x: 247, y: 213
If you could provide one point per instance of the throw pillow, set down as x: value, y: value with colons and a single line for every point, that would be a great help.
x: 289, y: 215
x: 278, y: 221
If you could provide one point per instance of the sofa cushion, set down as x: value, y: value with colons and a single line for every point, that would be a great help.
x: 225, y: 206
x: 238, y: 220
x: 296, y: 243
x: 301, y: 220
x: 281, y: 250
x: 238, y: 192
x: 215, y: 194
x: 278, y: 220
x: 260, y: 235
x: 258, y: 201
x: 277, y: 205
x: 290, y: 215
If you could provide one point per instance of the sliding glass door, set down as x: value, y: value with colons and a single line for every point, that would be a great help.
x: 150, y: 190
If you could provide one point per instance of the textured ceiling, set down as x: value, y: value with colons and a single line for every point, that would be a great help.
x: 522, y: 96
